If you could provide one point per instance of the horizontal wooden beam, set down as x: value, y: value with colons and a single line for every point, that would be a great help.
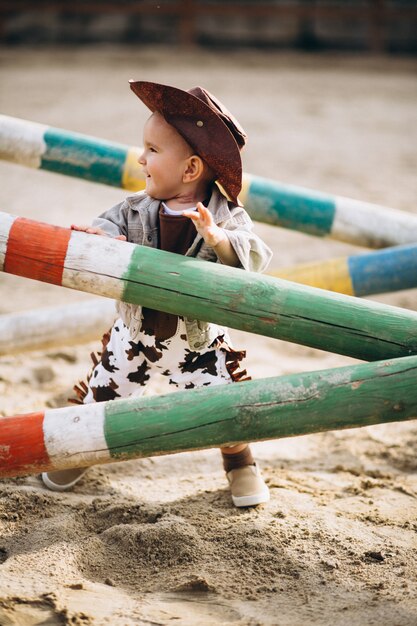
x: 382, y: 271
x: 323, y: 215
x: 289, y: 206
x: 388, y: 270
x: 297, y: 404
x: 206, y: 291
x: 49, y: 327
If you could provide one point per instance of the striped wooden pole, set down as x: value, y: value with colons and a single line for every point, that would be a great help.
x: 383, y: 271
x: 45, y: 328
x: 324, y: 215
x: 73, y: 154
x: 288, y: 206
x: 296, y: 404
x: 388, y: 270
x: 208, y: 291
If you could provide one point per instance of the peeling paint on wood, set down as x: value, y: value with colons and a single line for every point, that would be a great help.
x: 213, y: 292
x: 286, y: 406
x: 288, y: 206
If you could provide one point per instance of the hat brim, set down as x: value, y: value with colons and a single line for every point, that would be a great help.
x: 201, y: 127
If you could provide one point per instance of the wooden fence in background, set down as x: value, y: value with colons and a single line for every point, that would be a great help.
x: 377, y: 18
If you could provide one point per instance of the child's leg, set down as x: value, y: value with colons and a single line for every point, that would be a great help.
x: 246, y: 483
x: 237, y: 456
x: 219, y: 365
x: 122, y: 370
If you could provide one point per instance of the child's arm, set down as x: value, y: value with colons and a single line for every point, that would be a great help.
x: 213, y: 235
x: 92, y: 230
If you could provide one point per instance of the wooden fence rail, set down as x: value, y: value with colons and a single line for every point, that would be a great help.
x: 291, y: 405
x: 382, y: 271
x: 49, y: 327
x: 388, y: 270
x: 288, y: 206
x: 375, y: 15
x: 206, y: 291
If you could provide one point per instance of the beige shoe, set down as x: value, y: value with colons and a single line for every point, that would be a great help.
x: 247, y: 486
x: 64, y: 479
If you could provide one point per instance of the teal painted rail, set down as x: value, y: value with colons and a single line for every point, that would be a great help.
x: 312, y: 212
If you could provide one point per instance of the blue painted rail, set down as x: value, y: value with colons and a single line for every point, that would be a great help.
x: 381, y: 271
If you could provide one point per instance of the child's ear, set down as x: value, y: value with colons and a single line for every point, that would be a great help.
x: 194, y: 169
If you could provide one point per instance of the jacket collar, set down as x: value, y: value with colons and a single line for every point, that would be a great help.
x: 146, y: 205
x: 218, y: 205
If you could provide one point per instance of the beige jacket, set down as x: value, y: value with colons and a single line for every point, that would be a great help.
x: 137, y: 218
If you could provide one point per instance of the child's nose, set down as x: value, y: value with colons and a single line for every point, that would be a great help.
x: 141, y: 159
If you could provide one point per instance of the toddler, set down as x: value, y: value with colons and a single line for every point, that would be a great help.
x: 190, y: 141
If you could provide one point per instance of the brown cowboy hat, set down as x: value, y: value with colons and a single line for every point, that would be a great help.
x: 205, y: 124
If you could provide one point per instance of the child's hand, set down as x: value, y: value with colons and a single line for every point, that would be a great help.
x: 95, y: 231
x: 212, y: 234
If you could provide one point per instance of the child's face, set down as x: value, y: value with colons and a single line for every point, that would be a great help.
x: 164, y: 159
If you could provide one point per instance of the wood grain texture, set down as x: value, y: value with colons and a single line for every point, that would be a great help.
x: 271, y: 408
x: 225, y: 295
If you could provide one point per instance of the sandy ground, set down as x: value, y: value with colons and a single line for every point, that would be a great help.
x: 157, y: 541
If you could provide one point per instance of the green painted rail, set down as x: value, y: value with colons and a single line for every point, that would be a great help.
x: 296, y: 404
x: 207, y: 291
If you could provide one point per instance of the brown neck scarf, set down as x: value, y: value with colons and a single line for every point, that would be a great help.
x: 176, y: 234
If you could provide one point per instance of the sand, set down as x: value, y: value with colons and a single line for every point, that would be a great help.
x: 157, y: 541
